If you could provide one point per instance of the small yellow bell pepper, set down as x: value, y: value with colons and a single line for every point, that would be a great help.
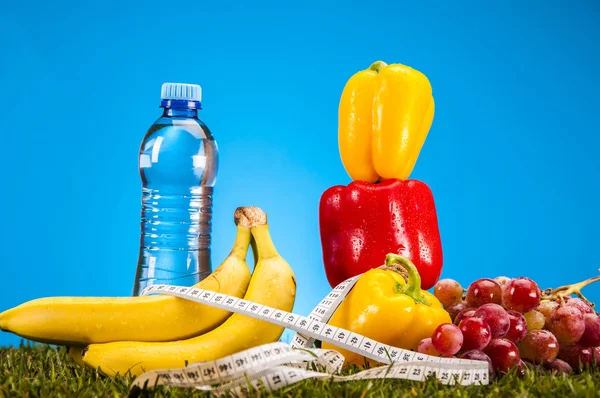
x: 384, y: 116
x: 384, y: 307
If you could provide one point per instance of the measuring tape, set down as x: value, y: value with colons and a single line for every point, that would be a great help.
x: 277, y: 365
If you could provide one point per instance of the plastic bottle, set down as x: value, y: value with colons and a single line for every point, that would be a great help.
x: 178, y: 162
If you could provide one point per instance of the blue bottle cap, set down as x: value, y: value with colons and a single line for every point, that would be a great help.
x: 181, y: 91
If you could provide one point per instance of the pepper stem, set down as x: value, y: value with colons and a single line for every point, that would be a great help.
x: 413, y: 285
x: 377, y: 66
x: 564, y: 291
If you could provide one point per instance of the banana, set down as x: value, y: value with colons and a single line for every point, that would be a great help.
x: 273, y: 283
x: 79, y: 321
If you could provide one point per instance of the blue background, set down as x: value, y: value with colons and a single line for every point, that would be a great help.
x: 512, y: 156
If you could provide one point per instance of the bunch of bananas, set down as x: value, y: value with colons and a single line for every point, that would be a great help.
x: 133, y: 335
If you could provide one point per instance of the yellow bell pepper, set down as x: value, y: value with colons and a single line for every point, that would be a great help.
x: 384, y: 307
x: 384, y: 116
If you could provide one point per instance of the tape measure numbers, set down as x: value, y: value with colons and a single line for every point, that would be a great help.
x: 277, y: 365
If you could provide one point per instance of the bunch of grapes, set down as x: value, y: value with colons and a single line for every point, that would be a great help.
x: 505, y: 322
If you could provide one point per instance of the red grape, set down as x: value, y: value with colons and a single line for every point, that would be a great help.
x: 580, y: 305
x: 576, y: 355
x: 477, y: 355
x: 518, y: 327
x: 539, y: 346
x: 546, y: 307
x: 484, y: 291
x: 567, y: 324
x: 448, y: 291
x: 426, y: 347
x: 495, y: 316
x: 596, y: 355
x: 454, y: 308
x: 467, y: 313
x: 535, y: 320
x: 558, y: 366
x: 521, y: 294
x: 591, y: 334
x: 476, y: 333
x: 447, y: 339
x: 503, y: 353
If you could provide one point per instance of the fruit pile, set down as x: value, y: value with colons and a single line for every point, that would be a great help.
x: 133, y: 335
x: 509, y: 323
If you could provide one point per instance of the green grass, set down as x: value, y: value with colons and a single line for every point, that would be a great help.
x: 42, y: 371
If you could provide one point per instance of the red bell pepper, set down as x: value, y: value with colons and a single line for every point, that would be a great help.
x: 362, y: 222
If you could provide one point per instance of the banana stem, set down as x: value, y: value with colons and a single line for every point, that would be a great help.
x: 264, y: 243
x: 564, y: 291
x: 252, y: 217
x: 241, y: 243
x: 254, y: 250
x: 249, y: 216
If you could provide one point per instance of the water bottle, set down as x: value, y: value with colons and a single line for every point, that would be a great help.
x: 178, y: 162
